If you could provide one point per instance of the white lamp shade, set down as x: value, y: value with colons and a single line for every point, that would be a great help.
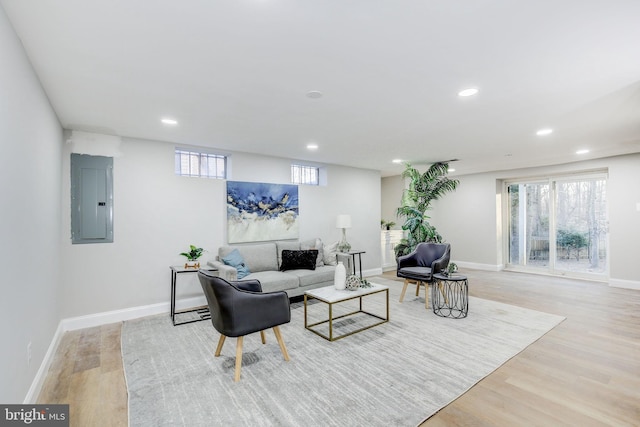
x: 343, y: 221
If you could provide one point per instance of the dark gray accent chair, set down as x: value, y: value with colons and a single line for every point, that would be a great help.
x: 240, y: 308
x: 420, y: 265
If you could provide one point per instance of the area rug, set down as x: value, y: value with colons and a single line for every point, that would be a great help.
x: 395, y: 374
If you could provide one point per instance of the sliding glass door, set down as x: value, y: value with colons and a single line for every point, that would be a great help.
x: 558, y: 225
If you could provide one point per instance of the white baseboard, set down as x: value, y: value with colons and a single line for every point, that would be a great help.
x: 627, y: 284
x: 36, y: 385
x: 477, y: 266
x: 372, y: 272
x: 98, y: 319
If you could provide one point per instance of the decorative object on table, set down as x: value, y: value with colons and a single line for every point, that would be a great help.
x: 340, y: 276
x: 451, y: 269
x: 424, y: 188
x: 352, y: 283
x: 192, y: 257
x: 259, y: 212
x: 355, y: 282
x: 344, y: 222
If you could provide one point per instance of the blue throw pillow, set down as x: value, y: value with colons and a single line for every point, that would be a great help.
x: 235, y: 259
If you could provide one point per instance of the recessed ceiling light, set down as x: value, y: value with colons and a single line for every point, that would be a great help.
x: 312, y: 146
x: 396, y: 161
x: 314, y: 94
x: 582, y: 151
x: 171, y: 122
x: 468, y: 92
x: 451, y: 170
x: 544, y: 132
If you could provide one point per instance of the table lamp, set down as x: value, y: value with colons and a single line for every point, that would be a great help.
x: 344, y: 222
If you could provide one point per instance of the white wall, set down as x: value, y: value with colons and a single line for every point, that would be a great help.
x: 30, y: 175
x: 470, y: 217
x: 392, y: 187
x: 158, y: 214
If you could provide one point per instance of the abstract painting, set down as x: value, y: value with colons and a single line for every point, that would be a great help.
x: 258, y: 212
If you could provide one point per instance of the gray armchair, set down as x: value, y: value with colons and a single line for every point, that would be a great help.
x: 420, y: 265
x: 240, y: 308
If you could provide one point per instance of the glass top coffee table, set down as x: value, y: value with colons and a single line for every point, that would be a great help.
x: 331, y: 296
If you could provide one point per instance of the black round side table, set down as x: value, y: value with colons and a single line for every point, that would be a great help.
x: 450, y: 295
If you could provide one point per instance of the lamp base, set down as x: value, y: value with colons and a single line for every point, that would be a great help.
x: 344, y: 246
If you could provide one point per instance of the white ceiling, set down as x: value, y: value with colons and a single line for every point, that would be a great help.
x: 236, y: 73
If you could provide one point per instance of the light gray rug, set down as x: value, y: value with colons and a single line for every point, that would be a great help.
x: 396, y: 374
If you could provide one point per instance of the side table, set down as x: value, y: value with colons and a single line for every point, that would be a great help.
x: 450, y: 295
x: 203, y: 311
x: 353, y: 257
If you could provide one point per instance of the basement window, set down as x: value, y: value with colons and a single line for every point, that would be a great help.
x: 198, y: 164
x: 308, y: 175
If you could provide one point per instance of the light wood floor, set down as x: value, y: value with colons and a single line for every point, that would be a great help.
x: 585, y: 372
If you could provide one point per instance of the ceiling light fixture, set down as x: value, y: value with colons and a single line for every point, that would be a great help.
x: 544, y: 132
x: 582, y: 151
x: 312, y: 146
x: 171, y: 122
x: 451, y: 170
x: 468, y: 92
x: 314, y: 94
x: 396, y: 161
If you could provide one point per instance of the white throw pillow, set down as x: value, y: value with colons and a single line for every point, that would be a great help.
x: 329, y: 254
x: 316, y: 244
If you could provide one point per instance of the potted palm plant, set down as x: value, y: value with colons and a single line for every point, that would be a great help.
x: 192, y: 257
x: 424, y: 188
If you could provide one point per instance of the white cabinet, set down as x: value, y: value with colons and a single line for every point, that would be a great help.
x: 388, y: 240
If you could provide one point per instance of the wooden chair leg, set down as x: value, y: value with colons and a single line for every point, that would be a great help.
x: 236, y: 378
x: 220, y: 344
x: 418, y: 283
x: 404, y: 289
x: 426, y: 295
x: 264, y: 339
x: 444, y: 295
x: 283, y: 348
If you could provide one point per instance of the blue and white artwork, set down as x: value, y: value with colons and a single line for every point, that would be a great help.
x: 258, y: 212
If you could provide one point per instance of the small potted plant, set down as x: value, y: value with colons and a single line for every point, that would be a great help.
x: 386, y: 225
x: 451, y: 268
x: 192, y: 257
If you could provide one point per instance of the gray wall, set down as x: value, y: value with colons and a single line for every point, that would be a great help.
x: 30, y: 176
x: 392, y: 187
x: 470, y: 218
x: 158, y: 214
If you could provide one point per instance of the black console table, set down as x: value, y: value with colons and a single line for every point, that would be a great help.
x: 202, y: 311
x: 353, y: 258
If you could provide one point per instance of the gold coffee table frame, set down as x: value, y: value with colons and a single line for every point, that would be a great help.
x: 330, y: 296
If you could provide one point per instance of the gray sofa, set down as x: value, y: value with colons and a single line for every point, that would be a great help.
x: 264, y: 260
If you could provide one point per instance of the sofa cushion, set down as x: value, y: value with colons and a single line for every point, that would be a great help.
x: 319, y: 275
x: 272, y: 281
x: 314, y: 244
x: 258, y: 257
x: 288, y: 246
x: 294, y: 260
x: 329, y: 253
x: 234, y: 259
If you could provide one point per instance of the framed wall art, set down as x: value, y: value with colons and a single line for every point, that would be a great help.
x: 259, y: 212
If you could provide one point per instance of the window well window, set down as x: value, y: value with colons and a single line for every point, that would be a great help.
x: 301, y: 174
x: 205, y: 165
